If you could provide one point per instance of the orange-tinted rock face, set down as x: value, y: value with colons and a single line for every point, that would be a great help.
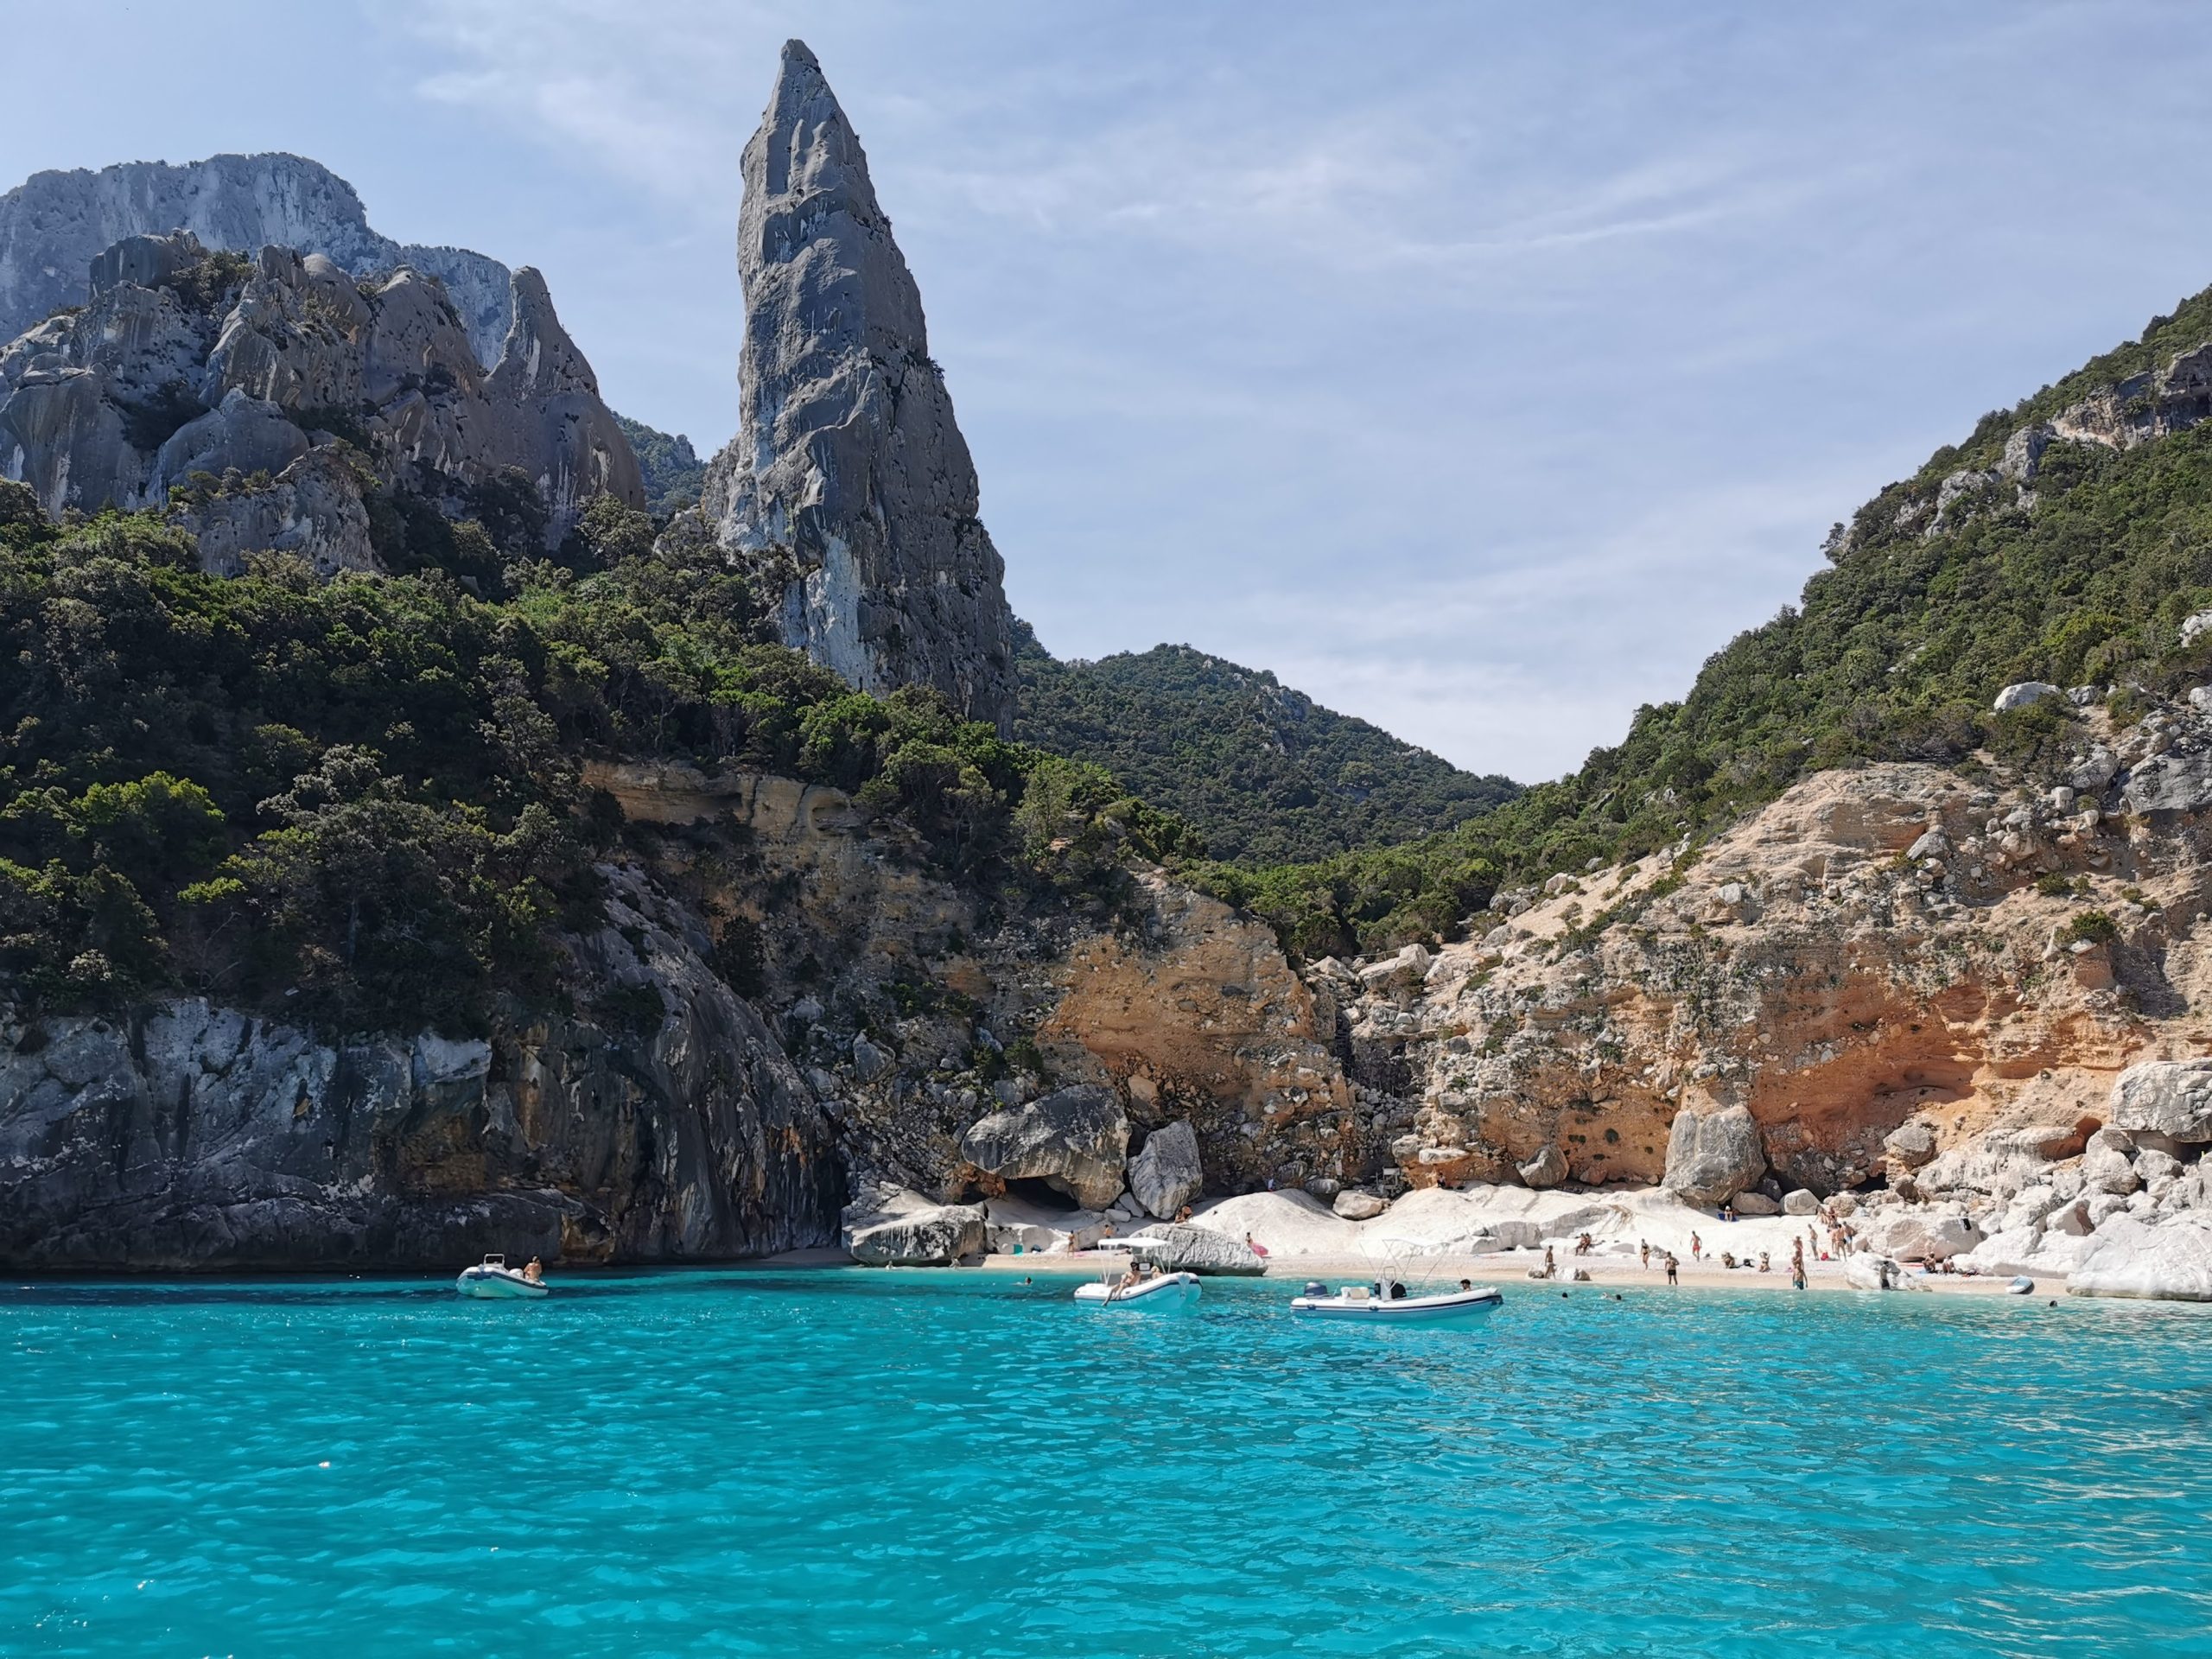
x: 1809, y: 967
x: 912, y: 1003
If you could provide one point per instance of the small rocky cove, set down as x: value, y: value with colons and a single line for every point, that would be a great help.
x: 1961, y: 1015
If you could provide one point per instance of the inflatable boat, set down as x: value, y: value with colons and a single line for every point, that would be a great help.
x: 1374, y: 1305
x: 493, y: 1278
x: 1158, y: 1293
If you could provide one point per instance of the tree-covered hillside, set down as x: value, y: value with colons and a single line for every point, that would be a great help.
x: 1944, y: 588
x: 674, y: 473
x: 1263, y: 773
x: 361, y: 800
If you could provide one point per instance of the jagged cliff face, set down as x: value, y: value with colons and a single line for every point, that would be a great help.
x: 54, y: 223
x: 849, y: 488
x: 170, y: 372
x: 190, y: 1136
x: 1889, y: 956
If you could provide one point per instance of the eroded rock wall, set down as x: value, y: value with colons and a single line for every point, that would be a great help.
x: 191, y: 1136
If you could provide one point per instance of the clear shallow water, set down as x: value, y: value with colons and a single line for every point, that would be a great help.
x: 906, y: 1463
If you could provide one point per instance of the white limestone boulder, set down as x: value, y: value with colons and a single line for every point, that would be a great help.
x: 1286, y: 1222
x: 1198, y: 1249
x: 2167, y: 1097
x: 934, y: 1236
x: 1165, y: 1174
x: 1911, y: 1235
x: 1712, y: 1157
x: 2170, y: 1262
x: 1074, y: 1140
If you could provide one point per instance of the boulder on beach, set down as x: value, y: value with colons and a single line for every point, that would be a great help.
x: 2029, y: 1249
x: 1869, y: 1272
x: 935, y: 1237
x: 1073, y: 1140
x: 2169, y: 1097
x: 1356, y: 1204
x: 1710, y: 1158
x: 1547, y: 1168
x: 1198, y: 1249
x: 1286, y: 1222
x: 1922, y: 1235
x: 2170, y: 1262
x: 1752, y: 1202
x: 1165, y: 1175
x: 1801, y: 1202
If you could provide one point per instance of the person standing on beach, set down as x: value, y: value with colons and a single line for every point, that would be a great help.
x: 1673, y: 1269
x: 1697, y: 1248
x: 1643, y: 1250
x: 1797, y: 1265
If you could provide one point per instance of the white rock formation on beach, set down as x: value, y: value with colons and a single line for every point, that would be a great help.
x: 1198, y: 1249
x: 2167, y: 1097
x: 895, y: 1229
x: 1713, y: 1156
x: 1073, y: 1140
x: 2170, y: 1262
x: 1165, y: 1175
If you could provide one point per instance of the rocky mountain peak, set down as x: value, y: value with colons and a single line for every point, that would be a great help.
x: 54, y: 223
x: 848, y: 486
x: 539, y: 360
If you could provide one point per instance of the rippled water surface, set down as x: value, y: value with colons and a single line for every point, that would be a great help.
x: 841, y: 1462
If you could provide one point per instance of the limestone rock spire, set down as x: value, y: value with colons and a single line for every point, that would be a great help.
x: 849, y: 488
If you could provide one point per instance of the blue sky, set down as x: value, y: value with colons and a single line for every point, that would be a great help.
x: 1479, y: 369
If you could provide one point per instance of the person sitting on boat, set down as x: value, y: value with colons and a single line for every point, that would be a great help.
x: 1466, y: 1284
x: 534, y: 1272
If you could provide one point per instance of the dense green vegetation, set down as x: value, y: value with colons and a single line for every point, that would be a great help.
x: 361, y: 800
x: 1264, y: 773
x: 1895, y: 651
x: 674, y: 473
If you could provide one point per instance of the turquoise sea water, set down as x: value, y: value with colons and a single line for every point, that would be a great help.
x: 840, y: 1462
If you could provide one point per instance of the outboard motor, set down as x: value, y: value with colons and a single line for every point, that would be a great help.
x: 1314, y: 1287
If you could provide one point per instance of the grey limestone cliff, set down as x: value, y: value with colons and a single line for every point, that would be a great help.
x: 54, y: 224
x: 185, y: 1135
x: 848, y: 487
x: 233, y: 379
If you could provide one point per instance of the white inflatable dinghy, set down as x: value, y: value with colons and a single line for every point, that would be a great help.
x: 1374, y: 1305
x: 1158, y: 1293
x: 493, y: 1278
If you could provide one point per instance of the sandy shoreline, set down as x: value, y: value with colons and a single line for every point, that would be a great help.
x: 1510, y: 1267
